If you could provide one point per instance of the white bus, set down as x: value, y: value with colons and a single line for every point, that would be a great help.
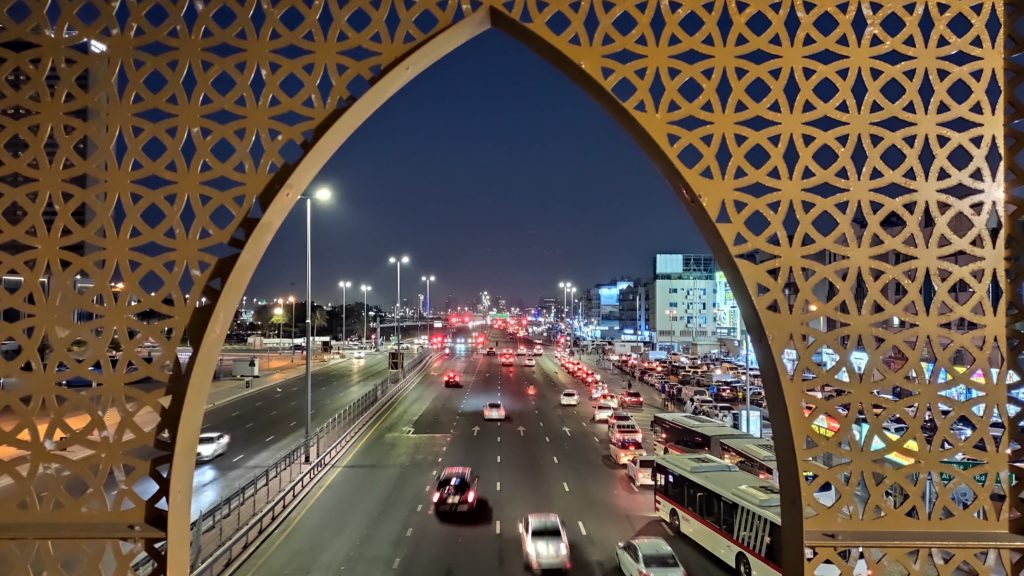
x: 689, y: 432
x: 752, y: 455
x: 728, y: 512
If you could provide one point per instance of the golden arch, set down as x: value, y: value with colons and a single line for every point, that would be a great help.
x: 856, y: 217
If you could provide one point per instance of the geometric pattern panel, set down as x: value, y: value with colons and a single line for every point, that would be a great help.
x: 845, y: 159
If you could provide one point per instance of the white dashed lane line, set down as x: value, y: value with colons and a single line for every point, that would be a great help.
x: 249, y: 424
x: 409, y: 532
x: 269, y: 439
x: 497, y: 487
x: 237, y: 458
x: 582, y: 529
x: 499, y: 459
x: 497, y: 526
x: 566, y: 486
x: 395, y: 565
x: 555, y: 458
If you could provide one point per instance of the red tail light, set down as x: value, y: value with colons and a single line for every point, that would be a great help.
x: 437, y: 496
x: 471, y: 496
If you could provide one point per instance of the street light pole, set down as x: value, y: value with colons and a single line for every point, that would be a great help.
x: 320, y: 194
x: 428, y: 280
x: 344, y: 286
x: 365, y: 289
x: 398, y: 296
x: 292, y: 346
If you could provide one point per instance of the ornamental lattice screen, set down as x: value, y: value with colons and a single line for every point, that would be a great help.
x: 844, y: 159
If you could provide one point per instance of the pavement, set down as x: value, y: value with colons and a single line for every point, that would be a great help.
x: 373, y: 513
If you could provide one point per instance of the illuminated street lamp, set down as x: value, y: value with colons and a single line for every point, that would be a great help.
x: 292, y: 339
x: 566, y: 287
x: 428, y: 280
x: 365, y: 289
x: 398, y: 296
x: 345, y: 285
x: 320, y: 194
x: 278, y: 311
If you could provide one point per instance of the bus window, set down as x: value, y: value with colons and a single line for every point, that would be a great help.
x: 728, y: 524
x: 773, y: 550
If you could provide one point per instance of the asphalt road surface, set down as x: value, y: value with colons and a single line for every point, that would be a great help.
x: 373, y: 514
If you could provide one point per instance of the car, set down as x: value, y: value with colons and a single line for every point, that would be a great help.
x: 507, y: 360
x: 609, y: 398
x: 211, y: 445
x: 619, y: 416
x: 452, y: 380
x: 521, y: 351
x: 456, y: 490
x: 494, y: 411
x: 491, y: 351
x: 625, y: 449
x: 602, y: 412
x: 530, y: 362
x: 631, y: 399
x: 625, y: 431
x: 640, y: 471
x: 538, y: 350
x: 358, y: 355
x: 545, y: 544
x: 569, y: 398
x: 648, y: 555
x: 598, y: 391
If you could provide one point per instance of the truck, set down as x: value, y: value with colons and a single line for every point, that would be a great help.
x: 620, y: 347
x: 653, y: 355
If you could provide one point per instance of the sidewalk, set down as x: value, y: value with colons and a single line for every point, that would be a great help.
x: 227, y: 389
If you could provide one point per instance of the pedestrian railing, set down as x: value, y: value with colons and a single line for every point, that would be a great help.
x: 222, y: 534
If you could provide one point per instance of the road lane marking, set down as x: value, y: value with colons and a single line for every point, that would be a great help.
x: 427, y: 489
x: 438, y: 459
x: 499, y: 459
x: 395, y: 565
x: 541, y: 423
x: 667, y: 529
x: 499, y: 438
x: 249, y: 424
x: 582, y: 529
x: 497, y: 488
x: 419, y: 508
x: 269, y: 439
x: 596, y: 440
x: 259, y: 403
x: 409, y: 533
x: 235, y: 413
x: 238, y: 458
x: 274, y: 412
x: 555, y: 458
x: 292, y: 424
x: 546, y: 439
x: 566, y: 486
x: 497, y: 526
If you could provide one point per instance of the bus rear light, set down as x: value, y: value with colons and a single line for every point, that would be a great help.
x: 471, y: 496
x: 437, y: 496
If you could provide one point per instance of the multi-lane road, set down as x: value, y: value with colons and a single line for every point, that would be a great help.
x: 373, y: 514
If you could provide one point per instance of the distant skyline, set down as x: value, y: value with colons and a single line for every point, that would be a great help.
x: 491, y: 171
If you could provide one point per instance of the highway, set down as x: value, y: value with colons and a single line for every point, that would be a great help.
x: 373, y: 514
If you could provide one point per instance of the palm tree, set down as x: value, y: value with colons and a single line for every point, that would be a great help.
x: 319, y: 319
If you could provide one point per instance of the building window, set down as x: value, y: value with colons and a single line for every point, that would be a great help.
x: 673, y: 290
x: 673, y: 304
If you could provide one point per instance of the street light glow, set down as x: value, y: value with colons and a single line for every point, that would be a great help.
x: 278, y: 311
x: 403, y: 259
x: 344, y: 284
x: 322, y: 194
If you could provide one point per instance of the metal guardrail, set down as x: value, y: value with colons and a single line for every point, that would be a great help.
x: 223, y: 533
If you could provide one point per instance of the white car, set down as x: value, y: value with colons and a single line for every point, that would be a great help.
x: 538, y: 351
x: 521, y: 351
x: 358, y: 355
x: 640, y: 471
x: 602, y: 412
x: 494, y: 411
x: 545, y: 544
x: 529, y: 362
x: 569, y: 398
x: 650, y: 556
x: 211, y: 445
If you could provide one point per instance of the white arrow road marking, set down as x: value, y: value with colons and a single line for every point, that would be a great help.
x: 521, y: 430
x: 475, y: 430
x: 566, y: 430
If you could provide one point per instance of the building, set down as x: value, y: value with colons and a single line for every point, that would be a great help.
x: 681, y: 303
x: 633, y: 312
x: 601, y: 309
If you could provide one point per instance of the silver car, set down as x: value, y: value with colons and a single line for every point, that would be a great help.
x: 545, y: 545
x: 650, y: 556
x: 211, y: 445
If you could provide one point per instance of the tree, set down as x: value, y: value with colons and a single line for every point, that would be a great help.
x: 319, y: 319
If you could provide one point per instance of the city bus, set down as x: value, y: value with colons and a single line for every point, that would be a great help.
x: 689, y: 432
x: 731, y: 514
x: 752, y: 455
